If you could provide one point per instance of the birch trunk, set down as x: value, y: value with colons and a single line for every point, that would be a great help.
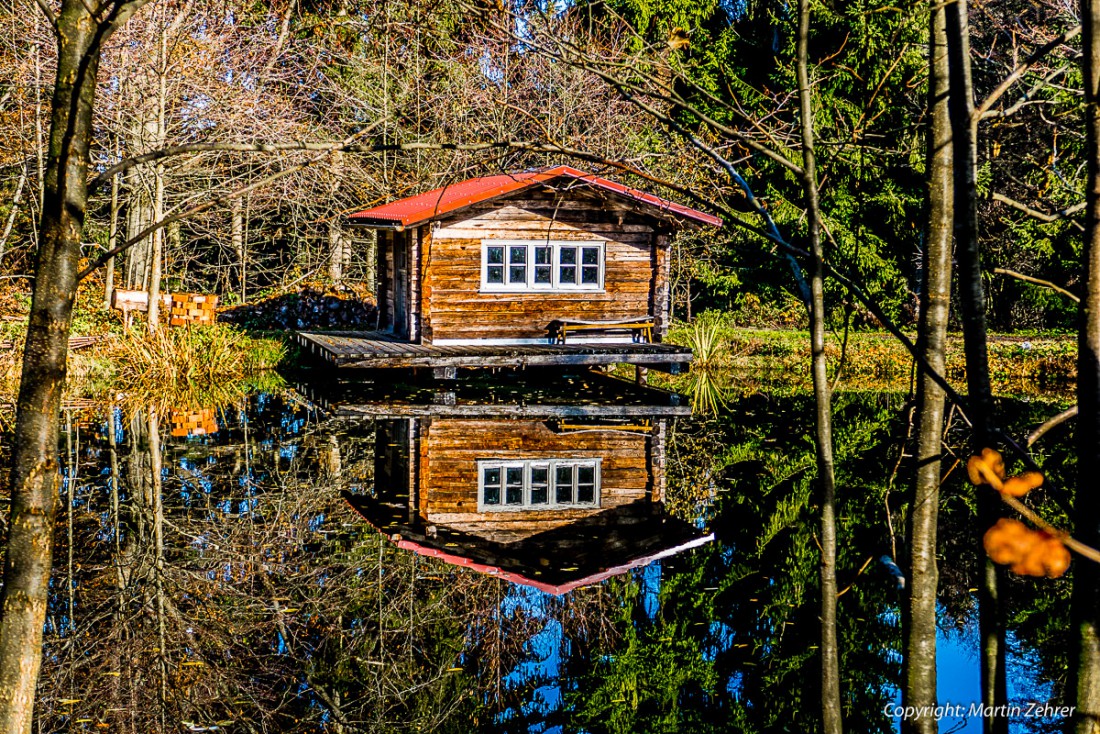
x: 1085, y: 663
x: 161, y: 135
x: 919, y: 620
x: 980, y: 393
x: 337, y: 241
x: 830, y: 656
x: 236, y: 236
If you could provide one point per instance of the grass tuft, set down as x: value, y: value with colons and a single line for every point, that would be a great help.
x: 707, y: 381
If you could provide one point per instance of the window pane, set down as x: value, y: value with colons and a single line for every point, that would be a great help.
x: 517, y: 255
x: 540, y: 480
x: 586, y: 493
x: 568, y: 255
x: 591, y: 256
x: 568, y: 274
x: 563, y: 485
x: 542, y: 274
x: 492, y: 494
x: 513, y: 490
x: 495, y: 274
x: 542, y: 255
x: 490, y: 480
x: 586, y: 475
x: 590, y: 274
x: 517, y: 274
x: 495, y: 255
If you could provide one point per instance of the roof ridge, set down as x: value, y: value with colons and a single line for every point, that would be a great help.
x: 451, y: 197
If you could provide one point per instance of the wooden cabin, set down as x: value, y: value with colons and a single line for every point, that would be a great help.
x: 553, y: 503
x: 548, y: 260
x: 500, y: 259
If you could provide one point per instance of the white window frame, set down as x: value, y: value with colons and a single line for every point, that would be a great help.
x: 551, y: 466
x: 555, y: 284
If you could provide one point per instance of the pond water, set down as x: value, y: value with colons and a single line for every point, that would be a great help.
x: 348, y: 557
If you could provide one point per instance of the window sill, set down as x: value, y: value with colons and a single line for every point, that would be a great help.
x: 539, y: 291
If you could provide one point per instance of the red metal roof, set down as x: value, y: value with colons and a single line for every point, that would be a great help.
x: 555, y: 589
x: 442, y: 201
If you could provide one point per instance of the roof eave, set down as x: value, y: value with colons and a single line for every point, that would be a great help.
x: 387, y: 224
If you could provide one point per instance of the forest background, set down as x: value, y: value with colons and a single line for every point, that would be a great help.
x: 408, y: 80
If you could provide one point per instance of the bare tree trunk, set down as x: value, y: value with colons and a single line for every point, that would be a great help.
x: 153, y: 320
x: 39, y: 152
x: 1085, y: 668
x: 236, y: 236
x: 156, y: 466
x: 158, y: 178
x: 919, y: 621
x: 34, y: 474
x: 830, y: 656
x: 13, y: 213
x: 112, y: 242
x: 336, y: 237
x: 972, y: 302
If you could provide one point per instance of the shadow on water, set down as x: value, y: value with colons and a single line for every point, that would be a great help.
x: 480, y: 556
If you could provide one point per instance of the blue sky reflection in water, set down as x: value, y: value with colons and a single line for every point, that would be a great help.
x: 273, y: 584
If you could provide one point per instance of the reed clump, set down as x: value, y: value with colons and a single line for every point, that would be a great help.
x: 708, y: 380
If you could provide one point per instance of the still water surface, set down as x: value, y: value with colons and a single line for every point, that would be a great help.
x: 359, y: 558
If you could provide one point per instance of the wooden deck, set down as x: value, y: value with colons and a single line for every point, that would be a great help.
x: 596, y: 397
x: 377, y: 350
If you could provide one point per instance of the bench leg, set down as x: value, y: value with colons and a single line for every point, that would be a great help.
x: 445, y: 373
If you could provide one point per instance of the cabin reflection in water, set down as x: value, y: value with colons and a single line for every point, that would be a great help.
x: 556, y: 504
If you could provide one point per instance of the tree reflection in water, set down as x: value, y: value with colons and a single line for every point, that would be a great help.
x: 221, y: 582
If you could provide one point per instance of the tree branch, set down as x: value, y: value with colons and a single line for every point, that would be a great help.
x: 210, y: 204
x: 1066, y: 213
x: 1036, y: 281
x: 177, y: 150
x: 1022, y: 69
x: 1050, y: 424
x: 47, y: 11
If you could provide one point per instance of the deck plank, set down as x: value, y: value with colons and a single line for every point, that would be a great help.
x: 373, y: 350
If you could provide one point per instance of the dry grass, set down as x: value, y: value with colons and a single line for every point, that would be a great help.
x: 174, y: 368
x: 208, y: 365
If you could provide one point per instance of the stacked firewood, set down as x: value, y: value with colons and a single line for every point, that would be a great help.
x: 192, y: 308
x: 194, y: 423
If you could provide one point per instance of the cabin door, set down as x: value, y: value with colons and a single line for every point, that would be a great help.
x: 401, y: 286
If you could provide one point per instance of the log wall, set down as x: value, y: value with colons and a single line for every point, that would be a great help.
x: 635, y: 273
x: 448, y: 473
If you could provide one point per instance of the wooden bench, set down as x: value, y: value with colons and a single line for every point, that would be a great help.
x: 128, y: 301
x: 640, y: 329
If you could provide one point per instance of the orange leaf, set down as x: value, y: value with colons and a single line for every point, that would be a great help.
x: 1021, y: 485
